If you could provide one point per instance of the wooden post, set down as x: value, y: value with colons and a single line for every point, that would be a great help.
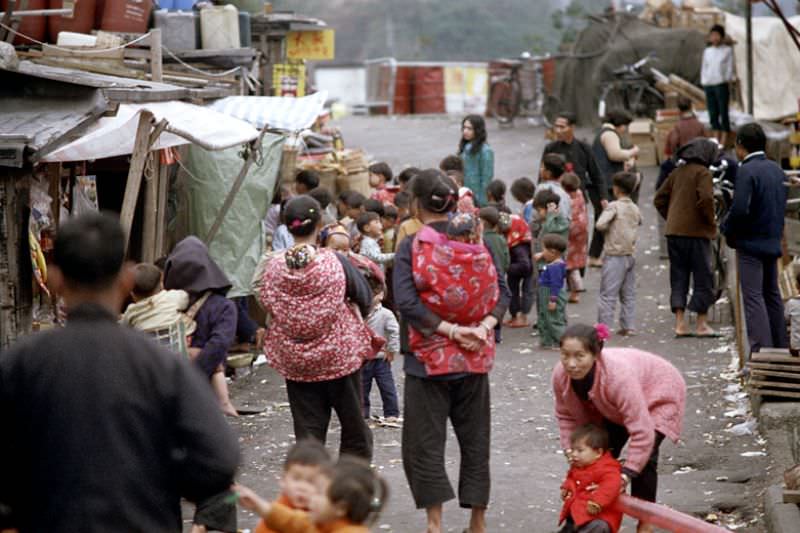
x: 54, y: 188
x: 161, y: 218
x: 156, y: 69
x: 149, y: 230
x: 138, y: 158
x: 748, y: 18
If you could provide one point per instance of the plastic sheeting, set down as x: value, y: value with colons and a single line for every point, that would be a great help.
x: 240, y: 242
x: 278, y: 112
x: 187, y: 123
x: 776, y: 65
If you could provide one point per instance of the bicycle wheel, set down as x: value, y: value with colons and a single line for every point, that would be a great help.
x: 719, y: 268
x: 503, y: 101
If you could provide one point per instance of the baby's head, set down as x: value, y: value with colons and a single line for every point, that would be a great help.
x: 335, y: 237
x: 544, y: 201
x: 379, y: 175
x: 553, y: 247
x: 147, y: 281
x: 523, y: 190
x: 571, y: 182
x: 369, y: 224
x: 354, y: 493
x: 588, y: 443
x: 464, y: 227
x: 490, y: 217
x: 307, y: 461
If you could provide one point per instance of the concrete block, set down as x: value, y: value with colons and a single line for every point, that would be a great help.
x: 781, y: 517
x: 779, y: 415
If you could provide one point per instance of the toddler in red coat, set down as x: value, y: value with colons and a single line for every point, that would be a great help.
x: 593, y: 484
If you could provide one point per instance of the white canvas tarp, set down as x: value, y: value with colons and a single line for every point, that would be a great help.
x: 187, y: 124
x: 776, y: 65
x: 277, y: 112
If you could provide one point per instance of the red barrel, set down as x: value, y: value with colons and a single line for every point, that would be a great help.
x: 428, y: 90
x: 34, y: 27
x: 128, y: 16
x: 82, y: 20
x: 549, y: 74
x: 402, y: 90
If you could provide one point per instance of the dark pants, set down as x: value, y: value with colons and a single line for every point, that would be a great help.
x: 521, y: 288
x: 217, y: 513
x: 598, y: 240
x: 595, y: 526
x: 645, y: 485
x: 381, y: 371
x: 311, y: 404
x: 717, y: 100
x: 690, y: 257
x: 428, y: 405
x: 763, y: 306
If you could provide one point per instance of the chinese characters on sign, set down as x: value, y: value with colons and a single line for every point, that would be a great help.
x: 310, y: 44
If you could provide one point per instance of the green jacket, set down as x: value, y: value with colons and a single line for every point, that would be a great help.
x: 553, y: 223
x: 478, y: 170
x: 499, y: 248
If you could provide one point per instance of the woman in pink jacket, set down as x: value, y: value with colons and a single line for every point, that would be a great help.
x: 638, y: 396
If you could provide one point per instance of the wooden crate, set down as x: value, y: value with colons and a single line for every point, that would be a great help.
x: 774, y: 373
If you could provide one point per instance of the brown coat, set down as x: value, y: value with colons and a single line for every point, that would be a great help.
x: 686, y: 201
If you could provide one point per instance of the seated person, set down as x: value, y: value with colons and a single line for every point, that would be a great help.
x: 154, y: 308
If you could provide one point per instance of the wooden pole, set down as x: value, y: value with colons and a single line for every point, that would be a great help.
x: 255, y: 146
x: 54, y: 186
x: 161, y: 219
x: 138, y: 158
x: 748, y: 17
x: 156, y: 67
x: 149, y: 230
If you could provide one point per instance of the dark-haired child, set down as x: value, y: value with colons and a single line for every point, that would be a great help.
x: 523, y: 190
x: 353, y: 207
x: 578, y: 235
x: 324, y: 197
x: 306, y: 460
x: 496, y: 193
x: 389, y: 221
x: 374, y: 206
x: 592, y: 485
x: 371, y: 229
x: 450, y: 163
x: 620, y: 223
x: 347, y: 499
x: 496, y: 242
x: 550, y: 172
x: 154, y: 308
x: 552, y: 298
x: 402, y: 201
x: 520, y: 272
x: 306, y: 181
x: 405, y: 177
x: 380, y: 179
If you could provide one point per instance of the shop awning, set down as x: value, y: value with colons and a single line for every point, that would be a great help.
x: 280, y: 113
x: 186, y: 123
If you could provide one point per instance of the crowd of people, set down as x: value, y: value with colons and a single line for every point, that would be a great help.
x: 431, y: 266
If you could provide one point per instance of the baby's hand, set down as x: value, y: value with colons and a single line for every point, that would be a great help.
x: 566, y: 494
x: 593, y: 508
x: 551, y: 306
x: 250, y: 500
x: 389, y: 357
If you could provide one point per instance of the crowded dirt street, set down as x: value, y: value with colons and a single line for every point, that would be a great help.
x: 713, y: 473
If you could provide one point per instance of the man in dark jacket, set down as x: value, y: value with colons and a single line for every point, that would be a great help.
x: 755, y: 228
x: 103, y: 430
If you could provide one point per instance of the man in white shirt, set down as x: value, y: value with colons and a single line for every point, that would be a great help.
x: 715, y: 76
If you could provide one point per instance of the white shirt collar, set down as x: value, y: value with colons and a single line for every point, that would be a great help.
x: 753, y: 154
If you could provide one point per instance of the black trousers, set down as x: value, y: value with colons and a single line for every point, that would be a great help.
x: 645, y: 485
x: 763, y: 305
x: 311, y: 404
x: 595, y: 526
x: 428, y: 405
x: 690, y: 257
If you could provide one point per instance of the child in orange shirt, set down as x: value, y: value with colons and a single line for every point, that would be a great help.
x: 346, y: 500
x: 305, y: 462
x: 591, y: 510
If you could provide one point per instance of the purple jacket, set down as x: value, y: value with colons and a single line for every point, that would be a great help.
x: 215, y: 333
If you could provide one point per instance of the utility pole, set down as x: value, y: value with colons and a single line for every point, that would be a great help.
x: 748, y: 14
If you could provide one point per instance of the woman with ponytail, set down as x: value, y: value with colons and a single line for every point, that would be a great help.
x: 316, y: 339
x: 450, y: 299
x: 637, y: 396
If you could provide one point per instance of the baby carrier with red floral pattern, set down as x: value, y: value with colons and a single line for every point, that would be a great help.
x: 458, y: 282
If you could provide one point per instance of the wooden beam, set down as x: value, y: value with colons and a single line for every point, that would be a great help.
x: 138, y: 159
x: 161, y: 219
x: 54, y: 188
x: 149, y: 228
x: 156, y: 69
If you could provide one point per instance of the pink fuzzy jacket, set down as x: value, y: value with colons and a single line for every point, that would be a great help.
x: 633, y: 388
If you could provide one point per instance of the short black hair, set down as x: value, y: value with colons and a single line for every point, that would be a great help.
x: 89, y: 250
x: 389, y: 211
x: 383, y: 169
x: 570, y: 181
x: 301, y: 215
x: 365, y: 218
x: 407, y: 174
x: 361, y: 491
x: 308, y: 178
x: 587, y: 335
x: 146, y: 280
x: 718, y: 28
x: 544, y: 197
x: 402, y: 199
x: 308, y: 452
x: 354, y: 199
x: 490, y: 215
x: 554, y: 163
x: 497, y: 190
x: 596, y: 437
x: 619, y: 117
x: 374, y: 206
x: 752, y: 138
x: 568, y: 115
x: 435, y: 192
x: 684, y: 103
x: 523, y: 189
x: 625, y: 182
x: 553, y: 241
x: 322, y: 195
x: 451, y: 162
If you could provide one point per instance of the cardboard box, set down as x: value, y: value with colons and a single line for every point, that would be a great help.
x: 648, y: 155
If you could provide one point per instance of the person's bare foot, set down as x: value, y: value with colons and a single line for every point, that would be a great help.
x: 644, y: 528
x: 574, y: 298
x: 519, y: 321
x: 229, y: 409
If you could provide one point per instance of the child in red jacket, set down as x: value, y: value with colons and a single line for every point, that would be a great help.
x: 593, y: 484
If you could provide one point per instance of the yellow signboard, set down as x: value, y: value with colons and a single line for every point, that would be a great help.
x: 289, y: 79
x: 310, y: 44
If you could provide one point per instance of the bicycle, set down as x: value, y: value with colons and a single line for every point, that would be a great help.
x: 723, y: 198
x: 521, y: 93
x: 631, y: 89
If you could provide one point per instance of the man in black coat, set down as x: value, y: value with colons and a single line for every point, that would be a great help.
x: 102, y: 429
